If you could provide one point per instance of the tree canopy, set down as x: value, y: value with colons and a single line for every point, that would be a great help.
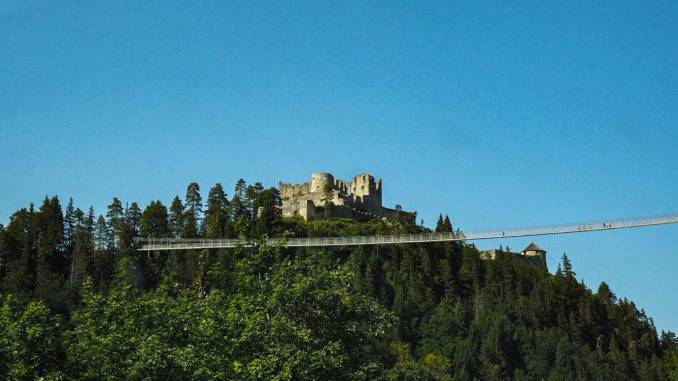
x: 77, y: 301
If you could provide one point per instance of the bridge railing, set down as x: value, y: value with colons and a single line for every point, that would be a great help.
x: 202, y: 243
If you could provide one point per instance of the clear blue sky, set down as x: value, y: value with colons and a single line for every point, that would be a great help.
x: 496, y: 113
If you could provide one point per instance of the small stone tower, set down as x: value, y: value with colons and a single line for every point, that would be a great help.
x: 534, y: 251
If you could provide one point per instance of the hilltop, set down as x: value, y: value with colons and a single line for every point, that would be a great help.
x: 79, y: 302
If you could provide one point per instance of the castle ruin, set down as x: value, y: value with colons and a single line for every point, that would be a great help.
x: 360, y: 199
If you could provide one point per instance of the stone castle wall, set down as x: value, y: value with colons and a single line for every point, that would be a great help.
x: 359, y: 199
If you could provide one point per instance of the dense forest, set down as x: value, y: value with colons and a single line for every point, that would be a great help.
x: 78, y: 301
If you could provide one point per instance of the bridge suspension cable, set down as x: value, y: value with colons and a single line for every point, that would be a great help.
x: 153, y: 244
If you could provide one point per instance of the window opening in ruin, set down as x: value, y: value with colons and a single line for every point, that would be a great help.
x: 324, y: 178
x: 363, y: 178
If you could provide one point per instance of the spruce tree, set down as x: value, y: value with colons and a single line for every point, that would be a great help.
x: 133, y: 215
x: 216, y: 213
x: 176, y: 217
x: 328, y: 195
x: 48, y: 225
x: 193, y: 199
x: 83, y: 246
x: 439, y: 224
x: 269, y: 210
x: 102, y: 235
x: 69, y: 222
x: 154, y: 221
x: 115, y: 221
x: 192, y: 210
x: 567, y: 267
x: 447, y: 225
x: 17, y: 253
x: 238, y: 203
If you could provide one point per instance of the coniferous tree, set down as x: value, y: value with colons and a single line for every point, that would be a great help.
x: 280, y: 312
x: 252, y: 196
x: 69, y: 222
x: 132, y: 216
x: 192, y: 210
x: 398, y: 216
x: 176, y: 217
x: 83, y: 247
x: 89, y: 221
x: 79, y: 218
x: 128, y: 222
x: 193, y: 199
x: 328, y: 195
x: 190, y: 226
x: 153, y: 222
x: 102, y: 236
x: 439, y: 224
x: 447, y: 225
x: 606, y: 295
x: 669, y: 341
x: 567, y: 267
x: 217, y: 215
x: 48, y: 225
x: 18, y: 253
x: 251, y: 200
x: 270, y: 210
x: 115, y: 216
x: 238, y: 201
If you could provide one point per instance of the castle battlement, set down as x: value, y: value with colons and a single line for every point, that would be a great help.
x: 359, y: 199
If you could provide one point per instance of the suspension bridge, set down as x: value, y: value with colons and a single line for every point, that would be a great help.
x: 160, y: 244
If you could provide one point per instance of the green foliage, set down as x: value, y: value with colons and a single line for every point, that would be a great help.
x: 115, y: 217
x: 130, y: 334
x: 191, y: 215
x: 102, y: 237
x: 193, y: 199
x: 217, y: 214
x: 239, y: 202
x: 327, y: 202
x: 132, y: 217
x: 447, y: 225
x: 154, y: 221
x: 30, y: 341
x: 567, y: 267
x: 443, y: 226
x: 289, y: 319
x: 269, y: 211
x: 80, y: 303
x: 176, y: 220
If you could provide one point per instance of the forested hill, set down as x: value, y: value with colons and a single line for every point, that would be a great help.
x: 79, y: 302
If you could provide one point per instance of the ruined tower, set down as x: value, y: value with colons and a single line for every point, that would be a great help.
x: 360, y: 199
x: 365, y: 192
